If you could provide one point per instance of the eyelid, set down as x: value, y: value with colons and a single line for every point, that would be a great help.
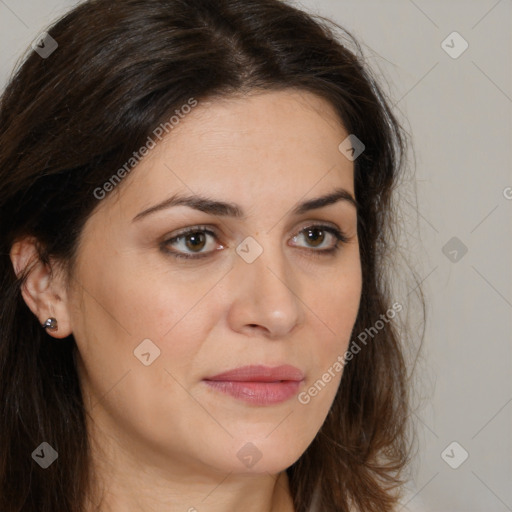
x: 201, y: 228
x: 321, y: 224
x: 331, y: 228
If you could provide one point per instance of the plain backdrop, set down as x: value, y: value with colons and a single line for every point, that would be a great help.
x: 457, y: 107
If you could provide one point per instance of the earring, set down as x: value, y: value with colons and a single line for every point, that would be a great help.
x: 51, y: 324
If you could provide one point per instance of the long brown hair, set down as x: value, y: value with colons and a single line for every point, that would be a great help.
x: 67, y: 121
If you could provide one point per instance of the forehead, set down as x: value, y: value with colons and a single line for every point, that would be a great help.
x: 260, y: 147
x: 282, y: 120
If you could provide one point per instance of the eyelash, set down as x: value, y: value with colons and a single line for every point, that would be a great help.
x: 338, y: 235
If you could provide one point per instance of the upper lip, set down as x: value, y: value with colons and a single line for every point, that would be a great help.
x: 260, y: 373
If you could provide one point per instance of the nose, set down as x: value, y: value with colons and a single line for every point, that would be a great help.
x: 265, y: 297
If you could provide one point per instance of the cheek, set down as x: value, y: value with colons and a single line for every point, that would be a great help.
x: 124, y: 314
x: 138, y: 337
x: 134, y: 300
x: 337, y: 306
x: 333, y: 317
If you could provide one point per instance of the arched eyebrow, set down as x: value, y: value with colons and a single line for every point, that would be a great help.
x: 226, y: 209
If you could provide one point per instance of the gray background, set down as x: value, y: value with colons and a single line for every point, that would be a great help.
x: 458, y: 112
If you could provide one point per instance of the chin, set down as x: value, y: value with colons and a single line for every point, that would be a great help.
x: 259, y: 455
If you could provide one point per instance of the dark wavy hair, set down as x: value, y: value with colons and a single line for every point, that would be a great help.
x: 67, y: 121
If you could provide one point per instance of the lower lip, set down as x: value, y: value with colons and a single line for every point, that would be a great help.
x: 258, y: 393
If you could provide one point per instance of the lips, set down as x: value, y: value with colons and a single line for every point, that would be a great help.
x: 258, y: 384
x: 260, y: 373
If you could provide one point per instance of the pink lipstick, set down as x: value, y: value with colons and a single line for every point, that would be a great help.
x: 258, y: 384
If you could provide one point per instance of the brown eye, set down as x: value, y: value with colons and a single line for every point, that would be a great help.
x: 191, y: 243
x: 315, y: 236
x: 195, y: 241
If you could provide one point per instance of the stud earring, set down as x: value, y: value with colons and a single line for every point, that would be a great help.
x: 51, y: 324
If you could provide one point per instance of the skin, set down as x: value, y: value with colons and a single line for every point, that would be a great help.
x: 162, y: 439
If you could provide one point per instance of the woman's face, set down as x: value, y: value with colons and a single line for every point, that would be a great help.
x: 257, y: 289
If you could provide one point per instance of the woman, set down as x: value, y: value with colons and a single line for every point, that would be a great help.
x: 194, y: 212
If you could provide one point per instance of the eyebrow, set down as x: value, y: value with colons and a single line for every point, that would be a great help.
x: 226, y: 209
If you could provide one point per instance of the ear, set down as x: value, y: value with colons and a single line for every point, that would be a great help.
x: 44, y: 290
